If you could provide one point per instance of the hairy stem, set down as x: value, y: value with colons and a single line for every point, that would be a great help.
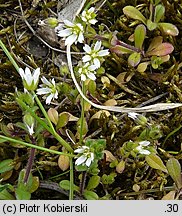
x: 82, y: 114
x: 71, y: 194
x: 29, y: 165
x: 19, y: 142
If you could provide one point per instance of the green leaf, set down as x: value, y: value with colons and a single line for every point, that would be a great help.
x: 139, y: 36
x: 5, y: 195
x: 159, y: 13
x: 120, y: 166
x: 93, y: 182
x: 120, y: 50
x: 169, y: 29
x: 65, y: 184
x: 90, y: 195
x: 92, y: 87
x: 174, y: 170
x: 134, y: 13
x: 6, y: 165
x: 155, y: 162
x: 53, y: 115
x: 156, y: 61
x: 35, y: 184
x: 151, y: 25
x: 142, y: 67
x: 84, y: 127
x: 62, y: 120
x: 162, y: 50
x: 22, y: 193
x: 134, y: 59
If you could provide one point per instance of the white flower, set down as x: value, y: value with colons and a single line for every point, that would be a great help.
x: 82, y: 149
x: 87, y: 71
x: 94, y: 55
x: 49, y: 89
x: 30, y: 129
x: 89, y: 16
x: 30, y: 80
x: 29, y: 123
x: 86, y: 157
x: 141, y: 146
x: 138, y: 118
x: 133, y: 115
x: 73, y: 33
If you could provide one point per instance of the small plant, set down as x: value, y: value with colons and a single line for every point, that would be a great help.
x: 95, y: 150
x: 156, y: 54
x: 157, y: 12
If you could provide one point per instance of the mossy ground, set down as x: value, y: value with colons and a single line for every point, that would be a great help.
x: 131, y: 89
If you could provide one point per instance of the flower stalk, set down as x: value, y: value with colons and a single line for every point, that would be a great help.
x: 30, y: 145
x: 82, y: 114
x: 53, y: 132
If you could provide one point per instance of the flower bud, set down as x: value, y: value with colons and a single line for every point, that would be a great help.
x: 29, y: 123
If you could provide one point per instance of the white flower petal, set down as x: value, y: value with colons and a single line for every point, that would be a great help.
x: 145, y: 152
x: 22, y: 73
x: 36, y: 75
x: 87, y: 48
x: 30, y: 129
x: 92, y: 67
x: 68, y: 23
x: 56, y: 94
x: 45, y: 81
x: 133, y: 115
x: 80, y: 38
x: 81, y: 160
x: 27, y: 72
x: 84, y: 19
x: 53, y: 82
x: 49, y: 98
x: 41, y: 91
x: 64, y: 33
x: 97, y: 62
x: 28, y: 76
x: 103, y: 52
x: 139, y: 148
x: 83, y: 13
x: 59, y: 28
x: 91, y: 10
x: 83, y: 77
x: 86, y: 58
x: 79, y: 150
x: 88, y: 162
x: 91, y: 76
x: 144, y: 143
x: 92, y: 156
x: 92, y: 21
x: 70, y: 40
x: 97, y: 45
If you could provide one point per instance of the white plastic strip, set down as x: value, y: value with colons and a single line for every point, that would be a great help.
x: 90, y: 208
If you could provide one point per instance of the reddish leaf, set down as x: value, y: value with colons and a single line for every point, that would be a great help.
x: 162, y: 50
x: 155, y: 43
